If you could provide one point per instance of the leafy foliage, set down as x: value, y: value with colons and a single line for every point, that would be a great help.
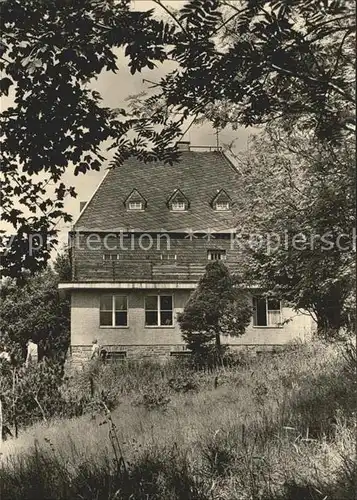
x: 289, y: 59
x: 217, y: 307
x: 35, y: 310
x: 30, y: 394
x: 300, y: 201
x: 243, y: 62
x: 50, y: 51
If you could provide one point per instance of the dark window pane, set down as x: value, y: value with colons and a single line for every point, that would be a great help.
x: 273, y: 305
x: 151, y: 303
x: 151, y: 318
x: 261, y: 312
x: 105, y: 318
x: 111, y: 256
x: 106, y: 303
x: 166, y: 303
x: 216, y: 254
x: 120, y: 303
x: 166, y: 318
x: 121, y: 319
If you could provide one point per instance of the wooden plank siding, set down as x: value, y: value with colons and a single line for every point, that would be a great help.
x: 136, y: 263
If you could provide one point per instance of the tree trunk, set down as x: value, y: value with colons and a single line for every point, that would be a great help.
x: 218, y: 348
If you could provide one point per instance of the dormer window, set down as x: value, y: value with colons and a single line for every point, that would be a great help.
x: 178, y: 202
x: 221, y: 201
x: 135, y: 205
x: 135, y: 201
x: 221, y: 206
x: 178, y: 206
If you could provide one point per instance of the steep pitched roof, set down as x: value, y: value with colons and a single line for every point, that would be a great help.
x: 200, y: 175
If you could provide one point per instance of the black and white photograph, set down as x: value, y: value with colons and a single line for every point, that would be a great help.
x: 178, y: 250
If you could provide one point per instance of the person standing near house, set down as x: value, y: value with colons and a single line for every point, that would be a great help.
x: 32, y: 353
x: 95, y: 350
x: 4, y: 354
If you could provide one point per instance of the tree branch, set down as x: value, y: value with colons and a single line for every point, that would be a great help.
x: 190, y: 125
x: 334, y: 20
x: 337, y: 89
x: 41, y: 409
x: 339, y: 53
x: 158, y: 2
x: 229, y: 19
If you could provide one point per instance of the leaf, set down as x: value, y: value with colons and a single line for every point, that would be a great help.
x: 5, y: 84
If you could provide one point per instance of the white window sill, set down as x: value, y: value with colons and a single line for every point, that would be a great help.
x: 159, y: 326
x: 268, y: 326
x: 114, y: 327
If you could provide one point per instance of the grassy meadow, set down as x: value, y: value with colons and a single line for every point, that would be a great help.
x: 272, y: 427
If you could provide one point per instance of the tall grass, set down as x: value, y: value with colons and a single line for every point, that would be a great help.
x: 272, y: 428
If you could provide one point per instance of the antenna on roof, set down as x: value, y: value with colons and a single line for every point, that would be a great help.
x: 217, y: 137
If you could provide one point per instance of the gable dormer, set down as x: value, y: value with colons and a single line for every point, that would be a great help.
x: 135, y: 201
x: 221, y: 201
x: 178, y: 201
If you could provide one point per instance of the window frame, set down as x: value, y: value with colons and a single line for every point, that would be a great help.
x: 116, y: 356
x: 181, y: 203
x: 255, y: 313
x: 167, y: 257
x: 110, y: 255
x: 159, y: 310
x: 114, y: 310
x: 135, y: 208
x: 225, y: 209
x: 213, y: 251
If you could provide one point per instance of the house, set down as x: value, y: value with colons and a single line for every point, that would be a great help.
x: 139, y: 247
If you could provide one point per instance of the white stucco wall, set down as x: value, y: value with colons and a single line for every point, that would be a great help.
x: 85, y: 324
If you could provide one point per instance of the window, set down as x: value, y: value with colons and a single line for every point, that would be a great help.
x: 158, y: 310
x: 135, y: 205
x: 135, y: 201
x: 221, y: 206
x: 113, y: 310
x: 116, y: 356
x: 180, y: 354
x: 266, y: 312
x: 178, y: 206
x: 110, y: 256
x: 168, y: 256
x: 216, y: 254
x: 178, y: 202
x: 221, y: 201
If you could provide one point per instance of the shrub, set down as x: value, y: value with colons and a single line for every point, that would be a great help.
x: 31, y: 394
x: 219, y: 306
x: 183, y: 382
x: 153, y: 398
x: 259, y: 452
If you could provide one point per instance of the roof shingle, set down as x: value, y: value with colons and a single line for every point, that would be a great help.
x: 200, y: 175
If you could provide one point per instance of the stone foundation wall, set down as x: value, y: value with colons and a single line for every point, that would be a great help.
x: 79, y: 355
